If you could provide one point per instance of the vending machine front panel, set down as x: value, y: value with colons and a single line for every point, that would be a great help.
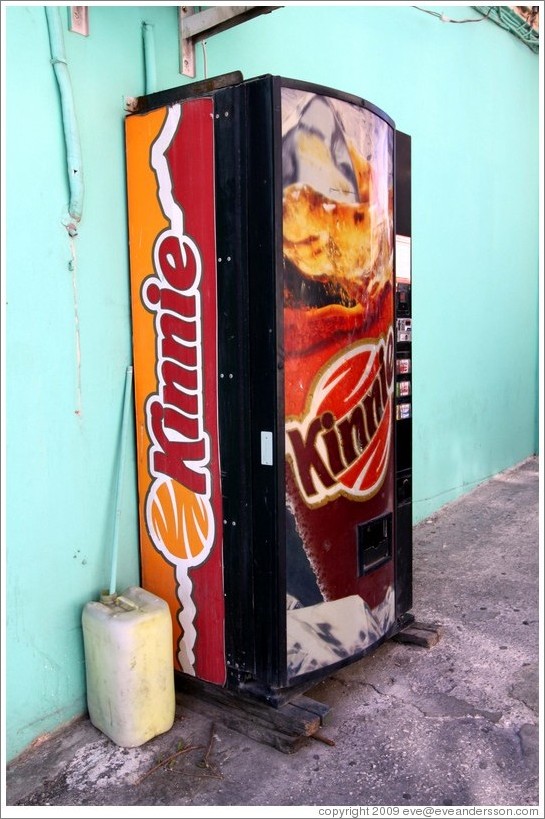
x: 337, y: 239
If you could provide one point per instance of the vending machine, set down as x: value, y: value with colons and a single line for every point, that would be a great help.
x: 274, y: 517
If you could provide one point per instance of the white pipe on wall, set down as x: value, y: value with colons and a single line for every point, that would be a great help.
x: 150, y: 65
x: 69, y: 123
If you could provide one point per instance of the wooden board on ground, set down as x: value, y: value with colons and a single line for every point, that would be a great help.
x: 285, y: 728
x: 420, y: 634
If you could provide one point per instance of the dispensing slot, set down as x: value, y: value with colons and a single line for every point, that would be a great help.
x: 374, y: 543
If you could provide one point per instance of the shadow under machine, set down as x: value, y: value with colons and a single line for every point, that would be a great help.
x: 269, y: 226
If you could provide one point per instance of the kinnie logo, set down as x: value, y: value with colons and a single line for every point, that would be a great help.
x: 342, y: 443
x: 178, y: 510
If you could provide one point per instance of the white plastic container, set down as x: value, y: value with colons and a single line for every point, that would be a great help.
x: 129, y: 666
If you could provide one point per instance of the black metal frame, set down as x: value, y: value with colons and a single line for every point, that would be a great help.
x: 403, y: 427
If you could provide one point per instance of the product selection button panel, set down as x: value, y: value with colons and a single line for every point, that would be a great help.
x: 404, y: 329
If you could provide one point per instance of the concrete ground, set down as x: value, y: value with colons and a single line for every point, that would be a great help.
x: 451, y: 725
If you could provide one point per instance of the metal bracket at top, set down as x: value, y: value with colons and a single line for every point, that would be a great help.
x: 195, y: 26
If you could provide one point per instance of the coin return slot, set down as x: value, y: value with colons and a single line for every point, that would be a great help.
x: 404, y: 490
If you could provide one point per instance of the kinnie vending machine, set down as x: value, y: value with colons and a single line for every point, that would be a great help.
x: 272, y: 364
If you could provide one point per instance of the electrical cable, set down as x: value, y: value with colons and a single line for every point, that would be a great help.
x: 503, y: 16
x: 445, y: 19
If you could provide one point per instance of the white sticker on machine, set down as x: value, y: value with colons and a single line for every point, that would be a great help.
x: 403, y: 259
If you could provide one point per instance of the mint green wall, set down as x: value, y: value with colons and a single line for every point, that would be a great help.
x: 467, y: 94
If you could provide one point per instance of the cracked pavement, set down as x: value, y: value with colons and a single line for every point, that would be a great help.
x: 454, y: 724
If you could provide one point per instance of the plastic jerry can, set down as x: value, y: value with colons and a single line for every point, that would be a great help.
x: 129, y: 666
